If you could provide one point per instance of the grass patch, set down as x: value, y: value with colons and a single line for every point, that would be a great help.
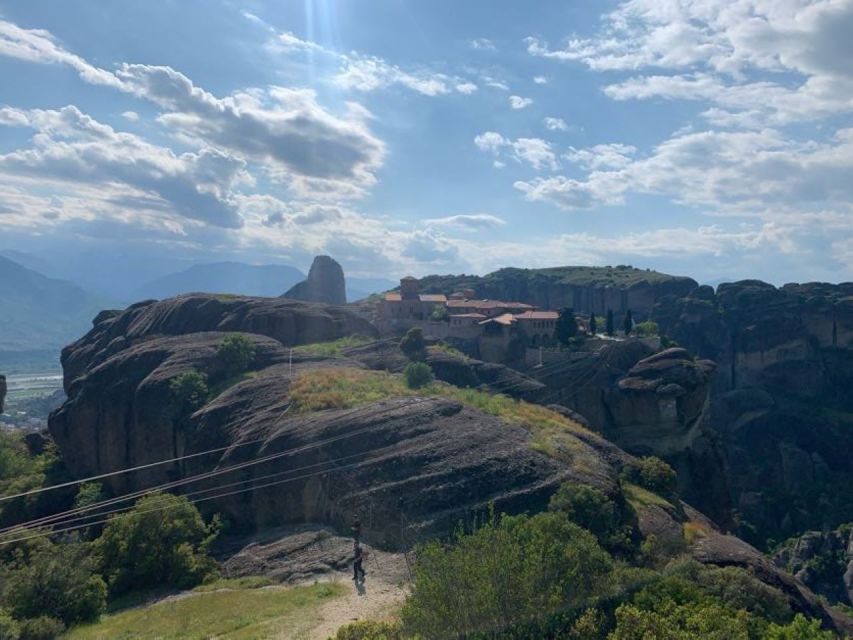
x: 345, y: 388
x: 335, y: 347
x: 693, y: 531
x: 451, y: 351
x: 245, y: 582
x: 640, y: 497
x: 238, y: 614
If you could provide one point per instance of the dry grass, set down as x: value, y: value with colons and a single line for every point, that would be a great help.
x: 346, y: 388
x: 334, y: 347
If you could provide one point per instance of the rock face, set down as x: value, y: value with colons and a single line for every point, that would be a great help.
x: 782, y: 399
x: 650, y: 404
x: 325, y: 283
x: 823, y: 561
x: 2, y: 392
x: 585, y: 289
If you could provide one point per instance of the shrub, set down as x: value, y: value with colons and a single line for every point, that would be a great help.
x: 439, y: 313
x: 566, y: 326
x: 589, y: 508
x: 9, y: 627
x: 189, y: 391
x: 418, y: 375
x: 510, y: 570
x: 656, y: 475
x: 413, y: 345
x: 800, y: 629
x: 647, y: 329
x: 161, y: 541
x: 88, y: 494
x: 236, y: 353
x: 708, y: 621
x: 55, y: 580
x: 41, y: 628
x: 369, y: 630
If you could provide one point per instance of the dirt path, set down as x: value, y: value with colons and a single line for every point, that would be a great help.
x: 380, y: 598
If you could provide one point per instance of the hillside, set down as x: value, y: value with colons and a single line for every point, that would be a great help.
x: 41, y: 314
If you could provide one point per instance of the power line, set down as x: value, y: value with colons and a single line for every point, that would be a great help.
x: 202, y: 476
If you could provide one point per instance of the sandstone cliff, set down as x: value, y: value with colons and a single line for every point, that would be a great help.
x: 822, y: 560
x: 325, y: 283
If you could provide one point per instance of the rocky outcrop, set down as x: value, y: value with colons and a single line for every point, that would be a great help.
x: 782, y: 400
x: 289, y: 322
x: 585, y: 289
x: 2, y: 392
x: 823, y: 561
x: 325, y: 283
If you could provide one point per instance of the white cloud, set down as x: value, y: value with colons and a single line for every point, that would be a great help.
x: 602, y: 156
x: 556, y: 124
x: 130, y: 115
x: 483, y: 44
x: 466, y: 88
x: 732, y: 53
x: 495, y: 83
x: 468, y: 222
x: 540, y: 79
x: 517, y: 102
x: 71, y: 148
x: 534, y: 151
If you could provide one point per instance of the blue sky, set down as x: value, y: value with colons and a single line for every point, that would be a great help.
x: 710, y: 138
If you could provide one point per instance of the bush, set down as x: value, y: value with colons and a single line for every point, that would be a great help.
x: 656, y: 475
x: 708, y: 621
x: 9, y: 627
x: 55, y: 580
x: 189, y: 391
x: 369, y: 630
x: 41, y: 628
x: 647, y: 329
x: 589, y: 508
x: 236, y: 353
x: 161, y: 541
x: 439, y: 313
x: 413, y: 345
x: 418, y: 375
x: 510, y: 570
x: 800, y: 629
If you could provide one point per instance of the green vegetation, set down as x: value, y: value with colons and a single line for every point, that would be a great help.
x: 413, y: 345
x: 566, y: 327
x: 236, y: 353
x: 609, y: 327
x: 189, y: 392
x: 628, y: 322
x: 335, y: 347
x: 418, y: 375
x: 439, y: 313
x: 656, y: 475
x: 593, y: 324
x: 20, y: 472
x: 510, y: 570
x: 369, y: 630
x: 451, y: 351
x: 612, y: 524
x: 161, y: 541
x: 238, y: 614
x: 647, y: 329
x: 41, y: 628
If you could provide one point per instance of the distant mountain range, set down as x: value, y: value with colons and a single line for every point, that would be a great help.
x: 38, y: 313
x: 269, y: 280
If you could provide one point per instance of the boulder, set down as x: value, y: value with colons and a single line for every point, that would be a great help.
x: 325, y: 283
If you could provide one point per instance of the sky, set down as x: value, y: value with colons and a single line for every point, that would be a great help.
x: 707, y: 138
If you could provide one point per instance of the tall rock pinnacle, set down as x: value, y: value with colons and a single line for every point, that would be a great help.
x: 325, y: 283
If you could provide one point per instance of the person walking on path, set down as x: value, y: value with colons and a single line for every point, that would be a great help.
x: 357, y: 568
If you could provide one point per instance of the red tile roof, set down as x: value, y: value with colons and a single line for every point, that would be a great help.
x: 537, y: 315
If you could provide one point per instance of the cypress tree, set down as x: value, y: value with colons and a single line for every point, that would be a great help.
x: 628, y: 322
x: 608, y: 327
x: 592, y: 324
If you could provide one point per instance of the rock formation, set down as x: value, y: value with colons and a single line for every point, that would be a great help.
x: 585, y: 289
x: 2, y: 391
x: 823, y: 561
x: 325, y: 283
x: 782, y: 398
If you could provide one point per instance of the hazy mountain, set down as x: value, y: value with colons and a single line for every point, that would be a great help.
x: 223, y: 277
x: 239, y: 278
x: 38, y: 313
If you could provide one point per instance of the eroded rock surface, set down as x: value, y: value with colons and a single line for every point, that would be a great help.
x: 823, y: 561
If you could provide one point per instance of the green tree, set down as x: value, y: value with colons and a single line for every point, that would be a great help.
x: 55, y: 580
x: 591, y: 509
x: 417, y: 375
x: 648, y: 328
x: 9, y: 627
x: 161, y: 541
x: 566, y: 327
x: 628, y: 323
x: 41, y: 628
x: 88, y: 494
x: 189, y: 391
x: 656, y: 475
x: 593, y: 326
x: 413, y: 345
x: 799, y: 629
x: 509, y: 570
x: 439, y: 313
x: 608, y: 325
x: 673, y: 621
x: 236, y: 353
